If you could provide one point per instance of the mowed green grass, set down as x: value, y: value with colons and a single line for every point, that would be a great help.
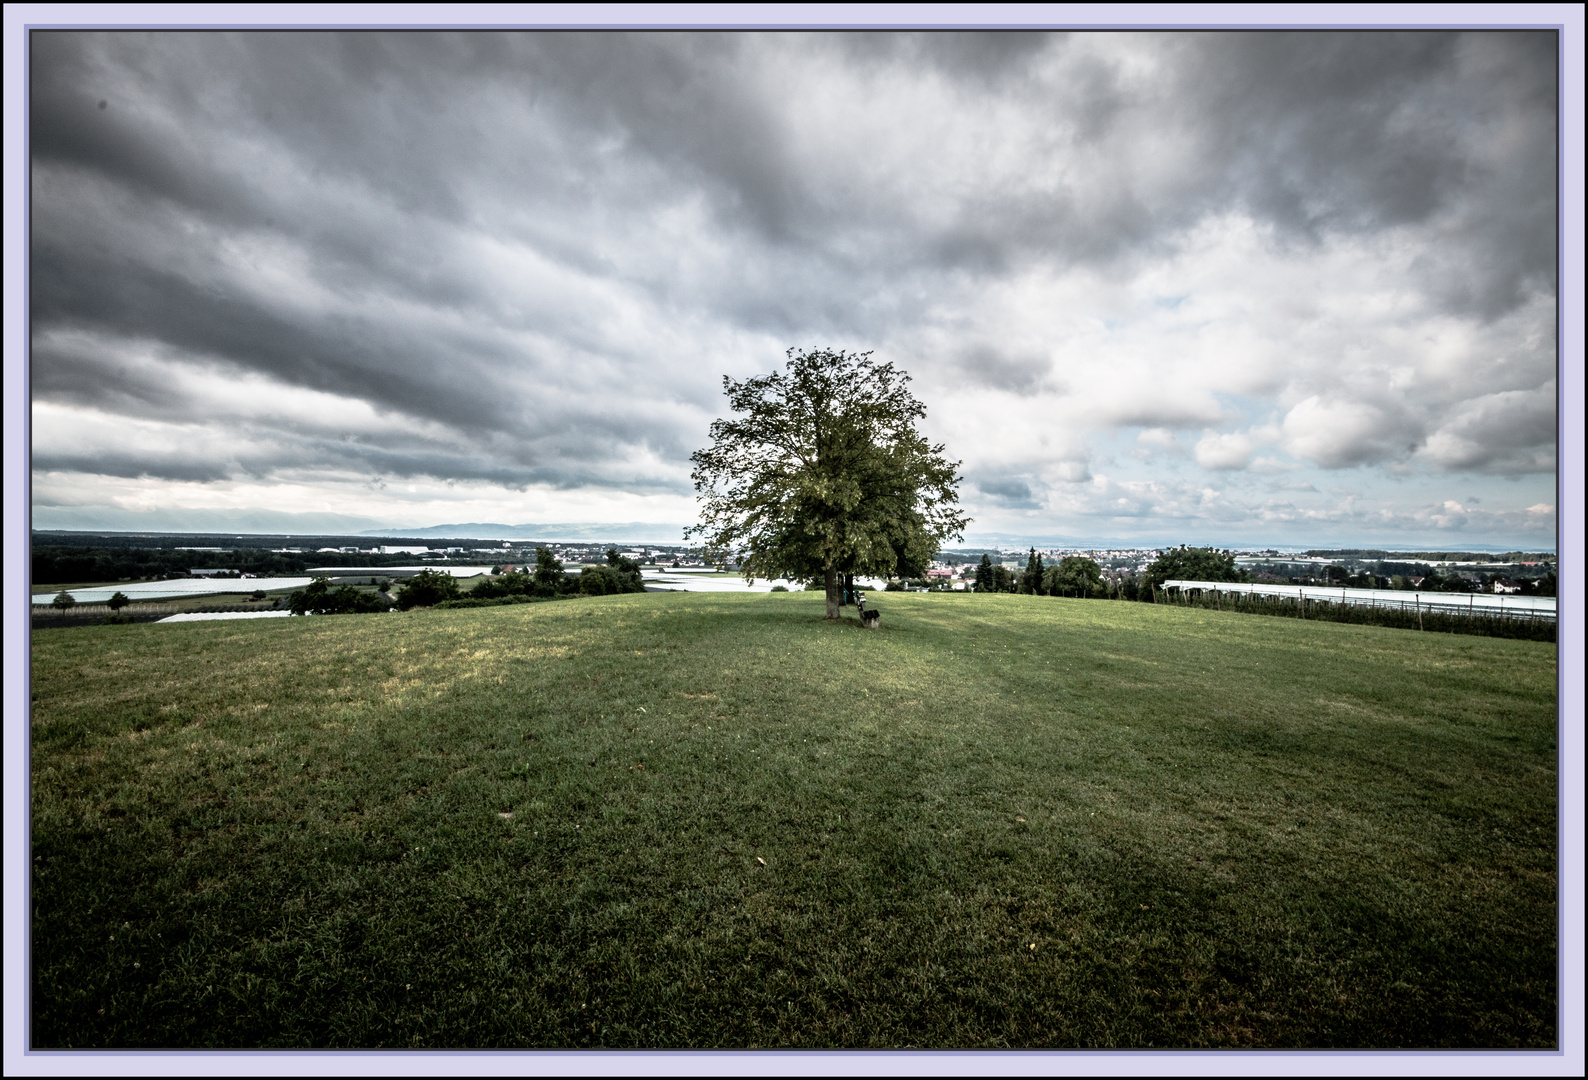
x: 717, y: 820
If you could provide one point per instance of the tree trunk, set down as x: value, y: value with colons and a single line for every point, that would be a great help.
x: 835, y: 593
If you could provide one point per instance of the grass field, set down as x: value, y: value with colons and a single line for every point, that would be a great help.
x: 716, y: 820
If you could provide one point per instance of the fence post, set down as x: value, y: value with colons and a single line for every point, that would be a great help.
x: 1417, y: 597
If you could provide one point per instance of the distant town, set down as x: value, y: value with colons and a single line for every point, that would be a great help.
x: 63, y: 557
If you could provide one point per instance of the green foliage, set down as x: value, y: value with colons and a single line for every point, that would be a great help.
x: 625, y: 571
x: 1544, y: 586
x: 550, y: 578
x: 1077, y: 576
x: 1404, y: 618
x: 607, y: 580
x: 986, y: 579
x: 119, y: 600
x: 318, y: 598
x: 780, y: 588
x: 1433, y: 581
x: 1004, y: 579
x: 57, y: 564
x: 473, y: 601
x: 1192, y: 564
x: 913, y: 564
x: 1031, y: 581
x: 426, y: 588
x: 549, y: 581
x: 64, y: 600
x: 1365, y: 580
x: 505, y: 585
x: 824, y: 474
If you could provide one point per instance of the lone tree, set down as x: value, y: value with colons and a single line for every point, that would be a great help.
x: 824, y: 475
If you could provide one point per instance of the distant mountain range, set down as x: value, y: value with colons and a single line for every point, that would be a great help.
x: 626, y: 531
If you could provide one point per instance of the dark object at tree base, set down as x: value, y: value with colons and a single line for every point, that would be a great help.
x: 871, y: 618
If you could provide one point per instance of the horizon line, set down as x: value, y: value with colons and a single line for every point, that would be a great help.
x: 1114, y: 543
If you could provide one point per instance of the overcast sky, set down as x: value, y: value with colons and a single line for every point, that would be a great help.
x: 1248, y: 288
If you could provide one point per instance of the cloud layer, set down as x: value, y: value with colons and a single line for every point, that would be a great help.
x: 498, y: 276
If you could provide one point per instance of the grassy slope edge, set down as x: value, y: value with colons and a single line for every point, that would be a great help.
x: 692, y: 820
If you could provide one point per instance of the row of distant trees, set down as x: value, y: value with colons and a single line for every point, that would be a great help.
x: 65, y: 601
x: 1078, y: 576
x: 57, y: 564
x: 1432, y: 580
x: 434, y: 588
x: 1074, y: 575
x: 549, y: 580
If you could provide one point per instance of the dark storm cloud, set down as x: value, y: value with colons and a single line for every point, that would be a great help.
x: 1007, y: 491
x: 1359, y: 131
x: 492, y: 234
x: 990, y: 56
x: 1314, y: 133
x: 1019, y: 373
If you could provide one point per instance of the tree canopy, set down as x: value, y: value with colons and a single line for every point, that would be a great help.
x: 1076, y: 575
x: 426, y: 588
x: 1031, y: 579
x: 549, y: 580
x: 825, y: 474
x: 1192, y: 564
x: 986, y: 581
x: 318, y: 598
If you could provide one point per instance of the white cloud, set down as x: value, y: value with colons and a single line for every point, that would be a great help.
x: 1341, y: 433
x: 1274, y: 465
x: 1234, y: 450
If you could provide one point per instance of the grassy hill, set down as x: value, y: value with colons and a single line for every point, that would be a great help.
x: 714, y: 819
